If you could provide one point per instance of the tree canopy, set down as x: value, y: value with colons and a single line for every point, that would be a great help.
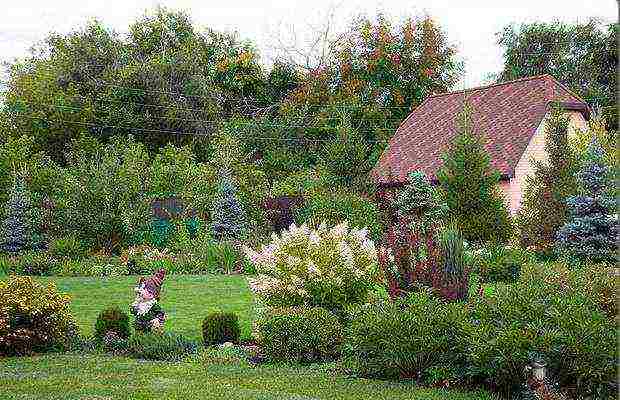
x: 583, y: 56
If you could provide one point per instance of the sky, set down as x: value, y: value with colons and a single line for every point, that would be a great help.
x: 471, y: 25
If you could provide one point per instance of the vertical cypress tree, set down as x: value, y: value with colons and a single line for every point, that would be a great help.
x: 16, y: 232
x: 543, y: 209
x: 591, y: 231
x: 471, y: 186
x: 227, y: 214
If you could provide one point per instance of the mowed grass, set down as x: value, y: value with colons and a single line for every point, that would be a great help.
x: 98, y: 377
x: 186, y: 299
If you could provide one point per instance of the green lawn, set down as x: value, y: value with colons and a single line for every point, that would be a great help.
x: 90, y: 377
x: 185, y: 298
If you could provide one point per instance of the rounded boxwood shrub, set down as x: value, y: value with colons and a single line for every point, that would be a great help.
x: 33, y: 317
x: 300, y: 334
x: 220, y: 327
x: 112, y: 319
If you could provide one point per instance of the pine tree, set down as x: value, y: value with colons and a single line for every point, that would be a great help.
x: 227, y: 214
x: 543, y: 209
x: 591, y: 232
x: 16, y: 234
x: 472, y: 186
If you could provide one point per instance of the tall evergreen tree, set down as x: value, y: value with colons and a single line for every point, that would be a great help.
x: 16, y: 234
x: 543, y: 209
x: 227, y: 214
x: 591, y: 233
x: 471, y: 186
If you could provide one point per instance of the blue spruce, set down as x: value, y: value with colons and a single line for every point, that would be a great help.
x: 591, y: 232
x: 16, y: 232
x: 227, y: 214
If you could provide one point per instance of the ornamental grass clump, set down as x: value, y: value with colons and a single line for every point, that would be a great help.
x: 323, y: 267
x: 33, y: 317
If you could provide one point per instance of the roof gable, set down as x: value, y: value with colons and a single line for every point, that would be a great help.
x: 508, y: 114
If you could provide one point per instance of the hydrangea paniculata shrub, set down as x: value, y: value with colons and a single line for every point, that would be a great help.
x: 323, y: 267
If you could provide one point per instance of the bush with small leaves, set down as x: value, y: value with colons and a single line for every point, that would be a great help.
x: 114, y: 320
x: 300, y: 334
x: 33, y: 317
x: 220, y: 327
x: 67, y: 247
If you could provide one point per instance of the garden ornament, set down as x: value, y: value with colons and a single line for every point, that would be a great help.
x: 148, y: 314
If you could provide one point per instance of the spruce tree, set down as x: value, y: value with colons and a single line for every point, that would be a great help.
x: 543, y: 208
x: 227, y: 214
x: 471, y: 186
x: 591, y: 232
x: 16, y: 232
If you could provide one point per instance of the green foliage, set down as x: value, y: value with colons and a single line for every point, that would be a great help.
x: 592, y: 230
x: 102, y: 194
x: 471, y: 186
x: 324, y: 267
x: 33, y: 317
x: 98, y: 79
x: 543, y: 208
x: 220, y: 327
x: 160, y: 347
x: 499, y: 263
x: 67, y: 247
x: 112, y: 319
x: 407, y: 339
x: 550, y: 313
x: 581, y: 55
x: 17, y: 232
x: 453, y: 255
x: 298, y: 334
x: 334, y: 207
x: 345, y: 156
x: 420, y: 201
x: 19, y: 158
x: 219, y: 355
x: 227, y: 213
x: 33, y: 263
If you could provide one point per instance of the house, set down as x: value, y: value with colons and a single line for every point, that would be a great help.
x: 511, y: 115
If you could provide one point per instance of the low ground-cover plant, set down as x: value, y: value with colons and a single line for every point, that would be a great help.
x: 33, y: 317
x: 411, y: 338
x: 299, y: 334
x: 220, y: 327
x: 324, y: 267
x: 161, y: 347
x: 550, y: 314
x: 114, y: 320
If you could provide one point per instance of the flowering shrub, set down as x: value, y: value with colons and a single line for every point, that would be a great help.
x: 324, y: 267
x: 32, y: 317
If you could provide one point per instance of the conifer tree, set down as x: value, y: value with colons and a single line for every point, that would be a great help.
x: 591, y: 232
x: 227, y: 214
x: 543, y: 208
x: 471, y: 186
x: 16, y: 232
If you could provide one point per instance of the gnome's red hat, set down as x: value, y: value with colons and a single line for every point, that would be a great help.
x: 153, y: 283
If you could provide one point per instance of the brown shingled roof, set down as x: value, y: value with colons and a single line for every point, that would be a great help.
x: 506, y: 113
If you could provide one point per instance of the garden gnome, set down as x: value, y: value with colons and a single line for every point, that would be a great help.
x: 146, y: 309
